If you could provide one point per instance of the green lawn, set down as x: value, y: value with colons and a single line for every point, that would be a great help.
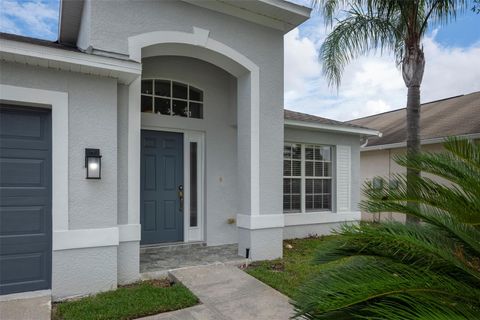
x: 287, y: 274
x: 127, y: 302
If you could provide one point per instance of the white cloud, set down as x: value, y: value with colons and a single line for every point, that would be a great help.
x: 301, y: 63
x: 373, y: 84
x: 29, y: 17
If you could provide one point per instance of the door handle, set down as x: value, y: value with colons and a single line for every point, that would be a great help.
x: 180, y: 196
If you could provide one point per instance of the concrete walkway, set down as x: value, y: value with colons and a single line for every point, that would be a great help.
x: 227, y: 293
x: 30, y: 306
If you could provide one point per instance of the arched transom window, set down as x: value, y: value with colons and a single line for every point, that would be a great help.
x: 171, y: 98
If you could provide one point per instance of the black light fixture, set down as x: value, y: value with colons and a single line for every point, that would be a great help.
x: 93, y: 163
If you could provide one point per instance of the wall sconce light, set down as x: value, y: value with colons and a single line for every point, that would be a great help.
x: 93, y: 163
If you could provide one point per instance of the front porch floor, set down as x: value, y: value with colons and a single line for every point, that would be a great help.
x: 158, y: 259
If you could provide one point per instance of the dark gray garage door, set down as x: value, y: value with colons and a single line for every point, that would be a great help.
x: 25, y: 199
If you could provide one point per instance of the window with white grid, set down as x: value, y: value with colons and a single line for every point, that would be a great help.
x: 172, y: 98
x: 307, y: 178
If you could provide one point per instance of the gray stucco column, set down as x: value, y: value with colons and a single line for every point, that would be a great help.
x: 260, y: 235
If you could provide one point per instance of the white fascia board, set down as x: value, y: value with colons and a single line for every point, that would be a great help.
x: 277, y: 14
x: 38, y: 55
x: 422, y: 142
x: 330, y: 127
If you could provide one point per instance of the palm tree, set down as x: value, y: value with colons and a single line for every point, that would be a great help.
x: 407, y: 271
x: 394, y: 25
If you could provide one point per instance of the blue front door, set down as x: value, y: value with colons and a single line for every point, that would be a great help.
x: 161, y: 198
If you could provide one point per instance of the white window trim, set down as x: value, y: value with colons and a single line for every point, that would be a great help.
x: 303, y: 178
x: 192, y: 234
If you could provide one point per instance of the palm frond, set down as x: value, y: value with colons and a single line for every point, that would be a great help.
x: 427, y: 248
x: 348, y: 288
x: 395, y: 271
x: 356, y: 35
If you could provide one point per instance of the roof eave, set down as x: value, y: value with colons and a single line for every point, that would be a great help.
x: 73, y: 61
x: 278, y: 14
x: 422, y: 142
x: 333, y: 128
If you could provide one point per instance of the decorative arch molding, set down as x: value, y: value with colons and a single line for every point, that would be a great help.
x: 199, y: 37
x: 199, y: 45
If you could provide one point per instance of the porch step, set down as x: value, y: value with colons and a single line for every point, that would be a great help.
x: 161, y: 259
x: 166, y: 247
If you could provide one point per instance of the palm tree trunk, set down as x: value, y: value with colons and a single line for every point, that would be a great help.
x: 413, y: 138
x: 413, y: 67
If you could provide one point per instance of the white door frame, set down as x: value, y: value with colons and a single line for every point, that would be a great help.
x: 190, y: 234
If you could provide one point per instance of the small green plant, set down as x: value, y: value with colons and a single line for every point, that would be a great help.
x: 401, y: 271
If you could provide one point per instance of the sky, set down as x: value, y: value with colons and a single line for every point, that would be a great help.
x: 370, y: 84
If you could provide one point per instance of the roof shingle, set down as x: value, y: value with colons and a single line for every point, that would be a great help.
x: 455, y: 116
x: 299, y: 116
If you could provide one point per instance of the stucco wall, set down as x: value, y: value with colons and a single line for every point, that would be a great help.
x: 92, y: 120
x: 110, y: 25
x: 294, y: 232
x: 83, y: 271
x: 220, y: 132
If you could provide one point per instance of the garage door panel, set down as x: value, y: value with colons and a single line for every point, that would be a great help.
x: 24, y: 127
x: 25, y: 199
x: 17, y: 172
x: 24, y: 272
x: 23, y: 220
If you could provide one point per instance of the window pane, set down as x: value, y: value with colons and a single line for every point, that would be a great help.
x: 326, y: 153
x: 317, y: 202
x: 287, y: 168
x: 318, y: 186
x: 297, y: 152
x: 309, y: 202
x: 193, y: 185
x: 309, y: 168
x: 287, y: 204
x: 296, y: 202
x: 296, y: 168
x: 179, y: 108
x: 287, y: 151
x: 327, y: 202
x: 196, y: 110
x: 309, y: 186
x: 296, y: 186
x: 287, y: 186
x: 180, y: 90
x: 327, y: 186
x: 309, y: 153
x: 147, y: 103
x: 327, y: 169
x: 162, y: 106
x: 162, y: 88
x: 196, y: 94
x: 317, y: 153
x: 319, y: 169
x: 147, y: 86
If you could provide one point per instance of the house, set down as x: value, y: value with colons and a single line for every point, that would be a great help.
x: 153, y: 122
x: 457, y: 116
